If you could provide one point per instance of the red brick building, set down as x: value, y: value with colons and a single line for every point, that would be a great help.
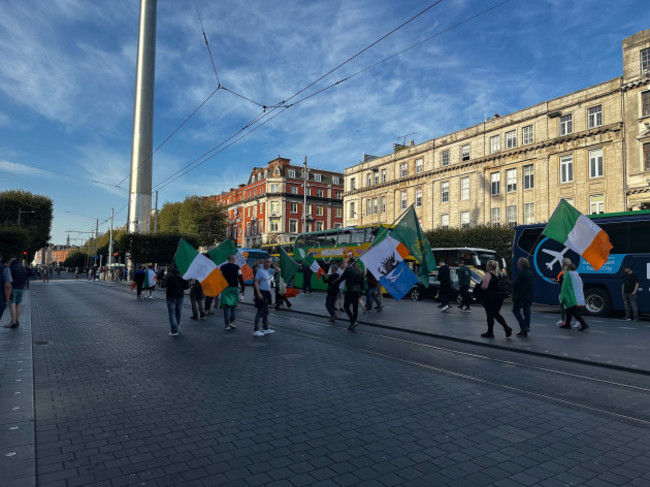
x: 269, y: 208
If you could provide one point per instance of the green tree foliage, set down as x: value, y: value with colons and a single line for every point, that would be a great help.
x: 204, y: 219
x: 169, y: 218
x: 152, y: 248
x: 76, y: 259
x: 496, y: 237
x: 37, y: 224
x: 13, y: 242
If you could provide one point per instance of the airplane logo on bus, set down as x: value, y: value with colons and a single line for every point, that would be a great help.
x: 557, y: 257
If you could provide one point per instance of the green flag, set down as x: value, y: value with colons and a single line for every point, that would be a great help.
x: 288, y: 266
x: 220, y: 253
x: 409, y: 232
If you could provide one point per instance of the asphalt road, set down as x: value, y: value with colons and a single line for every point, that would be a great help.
x: 119, y: 402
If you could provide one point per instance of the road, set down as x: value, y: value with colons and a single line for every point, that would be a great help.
x: 116, y: 401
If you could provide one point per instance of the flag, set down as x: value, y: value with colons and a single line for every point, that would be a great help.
x: 384, y: 257
x: 220, y: 253
x: 399, y: 281
x: 409, y: 232
x: 579, y: 233
x: 288, y: 266
x: 310, y: 261
x: 149, y: 278
x: 572, y: 293
x: 194, y: 265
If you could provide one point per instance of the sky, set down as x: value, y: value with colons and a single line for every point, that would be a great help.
x: 67, y: 81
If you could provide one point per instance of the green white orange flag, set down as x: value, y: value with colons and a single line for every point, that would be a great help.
x: 220, y: 253
x: 572, y: 293
x: 579, y: 233
x: 311, y: 262
x: 149, y: 278
x: 288, y: 266
x: 192, y: 264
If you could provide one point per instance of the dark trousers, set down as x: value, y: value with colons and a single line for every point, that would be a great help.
x: 352, y: 299
x: 493, y: 311
x: 517, y: 308
x: 573, y: 312
x: 443, y: 295
x: 464, y: 297
x: 281, y: 298
x: 306, y: 282
x: 263, y: 311
x: 330, y: 304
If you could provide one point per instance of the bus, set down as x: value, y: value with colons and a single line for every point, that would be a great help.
x: 471, y: 256
x: 274, y: 249
x: 253, y: 255
x: 628, y: 232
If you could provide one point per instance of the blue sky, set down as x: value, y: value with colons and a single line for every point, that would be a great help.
x: 67, y: 72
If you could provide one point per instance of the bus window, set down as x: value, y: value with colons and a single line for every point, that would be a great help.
x: 327, y: 240
x: 358, y: 236
x: 344, y: 237
x: 306, y: 240
x: 639, y: 245
x: 618, y: 236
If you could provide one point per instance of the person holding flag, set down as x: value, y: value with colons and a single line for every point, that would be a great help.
x: 230, y: 296
x: 572, y: 296
x: 353, y: 279
x: 262, y: 285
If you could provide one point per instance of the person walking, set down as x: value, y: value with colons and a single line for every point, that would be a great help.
x: 230, y: 296
x: 352, y: 277
x: 565, y: 262
x: 138, y: 279
x: 331, y: 279
x: 492, y: 300
x: 149, y: 281
x: 306, y: 279
x: 263, y: 299
x: 444, y: 278
x: 196, y: 300
x: 572, y: 296
x: 18, y: 280
x: 281, y: 293
x: 464, y: 278
x: 522, y: 296
x: 175, y: 287
x: 371, y: 292
x: 629, y: 290
x: 5, y: 288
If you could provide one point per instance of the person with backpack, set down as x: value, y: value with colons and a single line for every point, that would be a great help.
x: 522, y: 296
x: 493, y: 299
x: 464, y: 278
x: 18, y: 278
x: 5, y: 287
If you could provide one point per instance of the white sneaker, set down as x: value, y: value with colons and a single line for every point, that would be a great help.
x: 559, y: 322
x: 445, y: 308
x: 258, y: 333
x: 173, y: 334
x: 269, y: 331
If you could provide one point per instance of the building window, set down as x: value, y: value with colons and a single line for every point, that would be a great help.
x: 511, y: 215
x: 353, y: 213
x: 294, y: 189
x: 404, y: 169
x: 464, y: 188
x: 308, y: 209
x: 261, y: 226
x: 275, y: 188
x: 318, y: 177
x: 529, y: 213
x: 511, y: 139
x: 529, y: 176
x: 274, y: 226
x: 597, y: 204
x: 464, y: 153
x: 374, y: 206
x: 319, y: 210
x: 419, y: 165
x: 645, y: 61
x: 595, y: 116
x: 320, y: 226
x: 444, y: 191
x: 383, y: 204
x: 336, y: 180
x: 368, y: 208
x: 444, y: 158
x: 375, y: 176
x: 566, y: 169
x: 319, y: 193
x: 646, y: 157
x: 596, y: 169
x: 369, y: 179
x: 275, y: 207
x: 566, y: 124
x: 294, y: 208
x: 418, y: 197
x: 645, y: 102
x: 292, y: 173
x: 495, y: 144
x: 527, y: 135
x: 404, y: 200
x: 383, y: 175
x: 293, y: 226
x: 511, y: 180
x: 353, y: 184
x: 495, y: 183
x: 444, y: 221
x: 337, y: 212
x: 495, y: 215
x: 248, y: 228
x: 464, y: 219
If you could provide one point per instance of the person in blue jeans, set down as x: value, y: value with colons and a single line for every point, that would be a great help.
x: 371, y: 292
x: 175, y: 287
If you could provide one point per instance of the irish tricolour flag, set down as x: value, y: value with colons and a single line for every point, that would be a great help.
x: 220, y: 253
x: 194, y: 265
x: 571, y: 293
x: 571, y: 228
x: 310, y: 261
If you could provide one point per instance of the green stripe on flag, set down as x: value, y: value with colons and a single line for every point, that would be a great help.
x: 184, y: 256
x: 288, y: 266
x: 220, y: 253
x: 562, y: 222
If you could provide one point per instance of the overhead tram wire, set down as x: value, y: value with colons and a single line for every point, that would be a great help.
x: 207, y: 44
x: 195, y: 163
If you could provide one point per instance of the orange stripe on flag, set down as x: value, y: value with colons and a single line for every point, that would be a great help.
x: 402, y: 250
x: 598, y: 251
x: 247, y: 272
x: 214, y: 283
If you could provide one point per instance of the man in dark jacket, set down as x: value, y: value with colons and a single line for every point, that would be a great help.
x: 175, y: 287
x: 464, y: 279
x: 19, y: 279
x: 353, y: 278
x: 444, y: 278
x: 522, y: 296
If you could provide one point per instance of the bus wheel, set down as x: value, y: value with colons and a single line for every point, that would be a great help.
x: 597, y: 302
x: 414, y: 294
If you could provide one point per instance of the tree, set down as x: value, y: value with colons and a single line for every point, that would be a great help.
x: 75, y: 259
x: 204, y: 219
x: 169, y: 218
x: 152, y: 248
x: 14, y: 241
x: 34, y: 213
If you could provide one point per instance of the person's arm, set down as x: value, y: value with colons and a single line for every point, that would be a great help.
x: 240, y: 280
x: 636, y: 287
x: 486, y: 280
x: 256, y: 286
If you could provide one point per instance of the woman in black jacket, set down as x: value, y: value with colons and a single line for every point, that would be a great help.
x: 492, y: 299
x: 522, y: 296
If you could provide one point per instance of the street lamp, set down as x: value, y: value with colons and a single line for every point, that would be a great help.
x: 22, y: 212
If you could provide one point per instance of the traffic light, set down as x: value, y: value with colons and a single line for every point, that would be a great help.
x: 116, y: 254
x: 24, y: 253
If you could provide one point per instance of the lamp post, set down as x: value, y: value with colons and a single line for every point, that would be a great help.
x: 23, y: 212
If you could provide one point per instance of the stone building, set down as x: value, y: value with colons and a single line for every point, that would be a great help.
x: 591, y: 147
x: 269, y: 207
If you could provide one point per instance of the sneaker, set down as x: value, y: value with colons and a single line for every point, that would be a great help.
x: 467, y: 310
x: 202, y: 316
x: 559, y: 323
x: 487, y: 335
x: 522, y: 334
x: 332, y: 319
x: 583, y: 327
x: 380, y: 307
x: 508, y: 332
x: 173, y: 334
x: 193, y: 318
x: 258, y: 333
x: 232, y: 324
x: 444, y: 308
x: 268, y: 332
x: 11, y: 325
x: 565, y: 326
x: 624, y: 319
x: 228, y: 327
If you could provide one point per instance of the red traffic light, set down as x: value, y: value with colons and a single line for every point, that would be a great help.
x: 25, y: 253
x: 116, y: 254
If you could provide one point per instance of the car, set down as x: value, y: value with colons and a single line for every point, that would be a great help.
x: 419, y: 292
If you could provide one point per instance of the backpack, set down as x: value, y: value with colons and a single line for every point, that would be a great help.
x: 18, y: 275
x: 504, y: 286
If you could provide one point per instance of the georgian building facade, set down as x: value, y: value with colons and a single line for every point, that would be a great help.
x: 269, y: 208
x: 591, y: 147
